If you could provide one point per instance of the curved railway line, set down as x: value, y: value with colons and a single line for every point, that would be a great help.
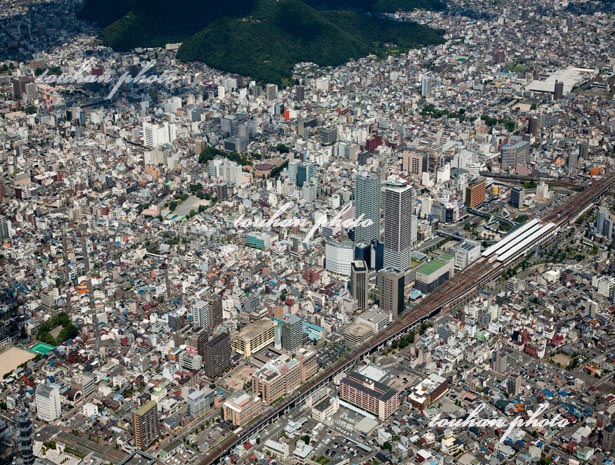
x: 458, y: 289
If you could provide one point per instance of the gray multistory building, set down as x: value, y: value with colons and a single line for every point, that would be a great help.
x: 608, y: 438
x: 392, y: 285
x: 517, y: 197
x: 216, y: 353
x: 604, y: 223
x: 292, y: 332
x: 515, y: 153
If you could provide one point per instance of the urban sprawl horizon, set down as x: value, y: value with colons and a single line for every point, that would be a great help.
x: 405, y: 259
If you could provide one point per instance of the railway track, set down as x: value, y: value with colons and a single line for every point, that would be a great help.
x: 547, y: 179
x: 459, y: 288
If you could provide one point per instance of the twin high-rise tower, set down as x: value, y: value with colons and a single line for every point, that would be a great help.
x: 399, y: 202
x: 399, y: 235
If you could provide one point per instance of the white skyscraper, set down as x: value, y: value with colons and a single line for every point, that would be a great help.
x: 200, y: 314
x: 426, y: 85
x: 48, y: 405
x: 172, y: 105
x: 308, y: 192
x: 155, y: 135
x: 233, y: 173
x: 229, y: 171
x: 339, y: 256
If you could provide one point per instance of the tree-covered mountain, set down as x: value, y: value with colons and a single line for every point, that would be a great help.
x: 263, y: 39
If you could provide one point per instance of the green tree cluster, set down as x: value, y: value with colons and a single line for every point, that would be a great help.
x: 275, y: 172
x: 522, y: 219
x: 282, y: 148
x: 490, y: 121
x: 424, y: 327
x: 5, y: 69
x: 69, y: 330
x: 52, y: 70
x: 431, y: 110
x: 403, y: 342
x: 209, y: 153
x: 516, y: 67
x: 195, y: 188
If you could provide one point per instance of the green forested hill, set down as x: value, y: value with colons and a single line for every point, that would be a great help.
x: 263, y: 39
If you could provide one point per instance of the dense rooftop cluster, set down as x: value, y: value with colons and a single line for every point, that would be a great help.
x: 180, y: 255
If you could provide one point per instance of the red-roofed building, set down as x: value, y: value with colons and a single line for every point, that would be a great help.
x: 558, y: 340
x: 372, y: 144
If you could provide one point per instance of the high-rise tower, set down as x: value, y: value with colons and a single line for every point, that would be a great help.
x: 145, y: 424
x: 215, y: 310
x: 359, y: 280
x: 24, y: 436
x: 368, y: 202
x: 398, y: 206
x: 216, y: 354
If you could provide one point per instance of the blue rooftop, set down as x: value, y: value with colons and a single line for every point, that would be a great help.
x: 415, y: 294
x: 312, y: 326
x: 571, y: 410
